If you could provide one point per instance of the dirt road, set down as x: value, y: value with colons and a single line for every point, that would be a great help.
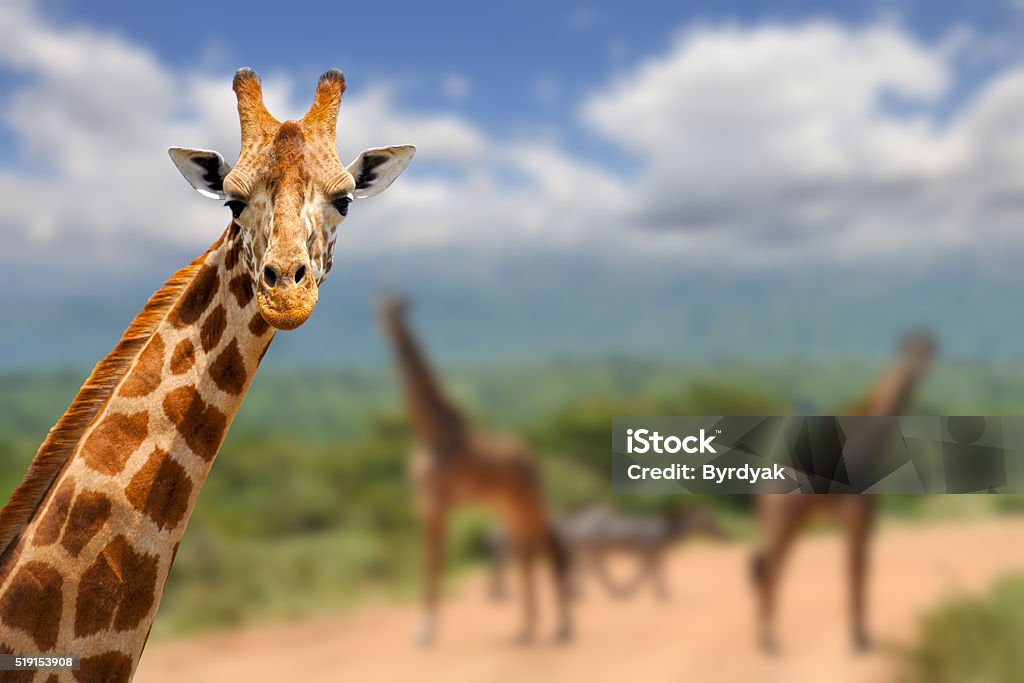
x: 703, y: 633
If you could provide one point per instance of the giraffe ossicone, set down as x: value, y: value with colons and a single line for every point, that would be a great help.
x: 88, y: 538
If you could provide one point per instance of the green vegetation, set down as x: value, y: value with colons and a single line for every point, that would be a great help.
x: 307, y: 507
x: 976, y: 640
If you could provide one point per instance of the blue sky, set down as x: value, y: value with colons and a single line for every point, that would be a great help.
x: 508, y: 66
x: 628, y: 146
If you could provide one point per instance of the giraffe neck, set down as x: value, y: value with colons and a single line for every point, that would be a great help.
x: 891, y: 395
x: 435, y: 419
x: 85, y: 574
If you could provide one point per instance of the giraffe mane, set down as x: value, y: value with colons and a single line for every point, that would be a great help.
x: 62, y: 439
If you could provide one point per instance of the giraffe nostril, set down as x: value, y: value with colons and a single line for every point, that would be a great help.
x: 270, y: 276
x: 299, y: 274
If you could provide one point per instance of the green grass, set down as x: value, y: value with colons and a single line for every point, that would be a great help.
x: 222, y: 581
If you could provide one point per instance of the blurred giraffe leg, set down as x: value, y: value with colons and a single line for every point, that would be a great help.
x: 781, y: 518
x: 561, y: 566
x: 499, y: 558
x: 857, y: 519
x: 433, y: 536
x: 527, y: 555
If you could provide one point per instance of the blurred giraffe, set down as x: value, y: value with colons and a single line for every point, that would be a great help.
x: 455, y: 464
x: 780, y: 517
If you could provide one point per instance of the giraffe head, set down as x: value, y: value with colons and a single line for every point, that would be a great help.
x: 918, y: 349
x: 391, y: 306
x: 288, y: 192
x: 391, y: 312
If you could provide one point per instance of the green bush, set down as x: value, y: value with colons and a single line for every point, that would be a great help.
x: 972, y: 640
x: 1010, y: 504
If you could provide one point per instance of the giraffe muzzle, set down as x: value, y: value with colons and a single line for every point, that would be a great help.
x: 286, y: 296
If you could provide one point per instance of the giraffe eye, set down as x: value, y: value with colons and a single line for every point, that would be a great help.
x: 341, y: 204
x: 236, y: 206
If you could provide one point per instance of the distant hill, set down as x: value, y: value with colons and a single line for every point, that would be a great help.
x: 546, y: 308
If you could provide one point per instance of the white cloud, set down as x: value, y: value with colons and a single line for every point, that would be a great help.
x: 733, y: 107
x: 790, y: 139
x: 93, y: 115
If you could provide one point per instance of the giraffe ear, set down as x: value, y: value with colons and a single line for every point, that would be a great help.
x: 204, y: 170
x: 375, y: 169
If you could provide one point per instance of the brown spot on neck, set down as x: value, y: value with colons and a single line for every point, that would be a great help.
x: 200, y: 424
x: 88, y: 515
x: 258, y: 326
x: 117, y: 590
x: 52, y: 522
x: 234, y: 250
x: 161, y: 490
x: 33, y: 602
x: 228, y: 370
x: 241, y: 287
x: 146, y: 375
x: 197, y: 297
x: 109, y: 667
x: 184, y: 357
x: 114, y: 440
x: 213, y: 328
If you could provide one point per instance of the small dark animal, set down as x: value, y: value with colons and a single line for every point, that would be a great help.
x: 596, y: 531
